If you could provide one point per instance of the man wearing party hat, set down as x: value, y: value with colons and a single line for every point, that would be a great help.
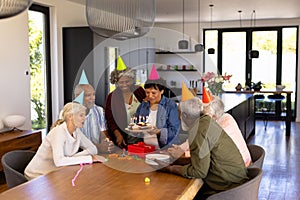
x: 121, y: 104
x: 162, y: 113
x: 214, y: 157
x: 95, y: 124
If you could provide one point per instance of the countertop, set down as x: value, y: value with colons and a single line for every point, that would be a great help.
x: 230, y: 100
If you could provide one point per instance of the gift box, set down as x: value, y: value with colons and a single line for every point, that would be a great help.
x: 140, y: 149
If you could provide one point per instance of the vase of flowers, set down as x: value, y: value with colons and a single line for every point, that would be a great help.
x: 214, y: 82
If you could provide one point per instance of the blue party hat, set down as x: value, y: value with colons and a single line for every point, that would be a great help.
x: 83, y: 78
x: 79, y: 98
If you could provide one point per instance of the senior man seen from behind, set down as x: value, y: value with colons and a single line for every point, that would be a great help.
x: 214, y: 156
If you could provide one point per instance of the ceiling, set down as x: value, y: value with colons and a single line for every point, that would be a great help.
x: 223, y: 10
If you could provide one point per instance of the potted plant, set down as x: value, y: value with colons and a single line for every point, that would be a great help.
x: 256, y: 86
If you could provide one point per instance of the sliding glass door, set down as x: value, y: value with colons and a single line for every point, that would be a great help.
x: 233, y: 58
x: 264, y: 68
x: 275, y: 65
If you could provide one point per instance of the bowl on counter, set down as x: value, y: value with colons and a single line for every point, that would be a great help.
x: 279, y: 87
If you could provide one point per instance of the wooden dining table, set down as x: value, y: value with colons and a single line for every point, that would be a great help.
x: 110, y: 180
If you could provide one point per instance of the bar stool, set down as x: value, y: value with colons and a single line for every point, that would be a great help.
x: 264, y: 107
x: 277, y: 99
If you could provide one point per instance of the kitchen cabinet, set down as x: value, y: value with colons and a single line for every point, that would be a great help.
x: 241, y: 107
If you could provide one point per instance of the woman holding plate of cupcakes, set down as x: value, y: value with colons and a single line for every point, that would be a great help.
x: 160, y: 111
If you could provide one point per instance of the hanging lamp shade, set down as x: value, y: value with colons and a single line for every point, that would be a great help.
x: 183, y: 44
x: 10, y: 8
x: 120, y: 20
x: 211, y: 50
x: 199, y: 47
x: 253, y: 53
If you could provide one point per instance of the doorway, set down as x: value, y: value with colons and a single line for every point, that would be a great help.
x: 40, y: 76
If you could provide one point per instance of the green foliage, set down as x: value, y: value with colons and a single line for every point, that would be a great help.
x: 268, y: 41
x: 39, y: 108
x: 37, y: 80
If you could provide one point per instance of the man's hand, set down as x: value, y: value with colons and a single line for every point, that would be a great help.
x: 162, y: 166
x: 175, y: 151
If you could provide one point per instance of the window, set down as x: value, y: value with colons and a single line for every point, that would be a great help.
x: 40, y: 79
x: 276, y: 65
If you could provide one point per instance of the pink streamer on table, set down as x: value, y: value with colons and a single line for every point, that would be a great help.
x: 78, y: 172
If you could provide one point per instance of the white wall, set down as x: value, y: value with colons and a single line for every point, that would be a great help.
x: 14, y: 57
x: 14, y: 61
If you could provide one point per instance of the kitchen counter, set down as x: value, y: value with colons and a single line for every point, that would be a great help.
x: 241, y: 107
x: 232, y: 100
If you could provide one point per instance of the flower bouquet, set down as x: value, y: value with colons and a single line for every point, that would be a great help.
x: 214, y: 82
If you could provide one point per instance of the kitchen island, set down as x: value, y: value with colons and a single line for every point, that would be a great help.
x: 241, y: 107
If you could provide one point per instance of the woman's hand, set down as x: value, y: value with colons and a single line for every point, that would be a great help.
x: 119, y: 139
x: 154, y: 131
x: 97, y: 158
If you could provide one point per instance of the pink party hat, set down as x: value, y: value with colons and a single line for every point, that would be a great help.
x: 153, y: 74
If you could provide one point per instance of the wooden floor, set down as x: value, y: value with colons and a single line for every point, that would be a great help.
x: 281, y: 177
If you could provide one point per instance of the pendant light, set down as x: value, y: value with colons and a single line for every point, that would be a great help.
x: 240, y: 15
x: 120, y: 20
x: 253, y: 53
x: 211, y: 50
x: 183, y: 44
x: 199, y: 47
x: 10, y: 8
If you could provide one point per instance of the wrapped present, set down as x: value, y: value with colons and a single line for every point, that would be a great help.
x: 140, y: 149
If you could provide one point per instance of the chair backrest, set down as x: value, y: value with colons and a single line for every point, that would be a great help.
x: 246, y: 191
x: 14, y: 164
x: 257, y: 155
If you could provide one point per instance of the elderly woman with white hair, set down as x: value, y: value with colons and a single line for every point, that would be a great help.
x: 214, y: 157
x: 215, y: 109
x: 61, y: 145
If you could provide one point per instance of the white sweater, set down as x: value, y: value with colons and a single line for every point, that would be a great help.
x: 58, y: 149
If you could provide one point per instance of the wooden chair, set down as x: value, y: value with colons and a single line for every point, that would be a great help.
x: 14, y: 164
x: 246, y: 191
x: 257, y: 155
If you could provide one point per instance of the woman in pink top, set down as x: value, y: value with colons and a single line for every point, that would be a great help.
x: 216, y: 110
